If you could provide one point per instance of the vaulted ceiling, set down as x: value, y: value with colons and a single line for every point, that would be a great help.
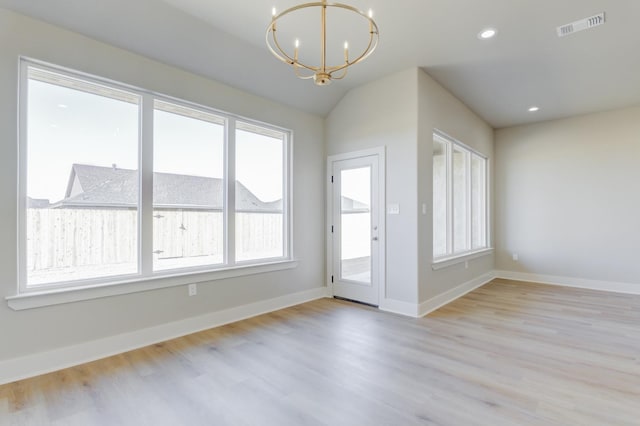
x: 526, y: 64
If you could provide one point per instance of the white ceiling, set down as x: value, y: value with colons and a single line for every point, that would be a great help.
x: 526, y: 64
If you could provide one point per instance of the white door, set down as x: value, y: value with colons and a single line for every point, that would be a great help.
x: 356, y: 228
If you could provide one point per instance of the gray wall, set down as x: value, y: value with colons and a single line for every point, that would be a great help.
x: 384, y: 113
x: 569, y: 199
x: 400, y: 112
x: 439, y: 109
x: 42, y: 329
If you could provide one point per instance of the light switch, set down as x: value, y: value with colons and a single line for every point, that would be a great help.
x: 393, y: 209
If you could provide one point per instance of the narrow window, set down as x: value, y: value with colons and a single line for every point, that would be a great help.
x: 440, y: 185
x: 188, y: 187
x: 460, y: 196
x: 478, y: 202
x: 260, y: 189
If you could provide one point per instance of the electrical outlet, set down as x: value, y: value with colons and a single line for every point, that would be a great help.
x: 515, y: 257
x: 193, y: 289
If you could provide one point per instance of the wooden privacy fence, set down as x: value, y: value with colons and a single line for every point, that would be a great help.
x: 67, y: 238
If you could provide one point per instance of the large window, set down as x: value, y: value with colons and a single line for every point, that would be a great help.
x: 116, y: 183
x: 459, y: 198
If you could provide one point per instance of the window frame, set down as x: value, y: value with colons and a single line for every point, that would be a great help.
x: 145, y: 277
x: 452, y: 257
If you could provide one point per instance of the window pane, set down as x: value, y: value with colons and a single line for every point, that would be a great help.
x: 188, y: 187
x: 439, y: 198
x: 259, y: 193
x: 478, y: 202
x: 460, y: 208
x: 355, y: 228
x: 82, y: 180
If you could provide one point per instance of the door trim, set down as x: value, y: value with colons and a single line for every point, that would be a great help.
x: 380, y: 152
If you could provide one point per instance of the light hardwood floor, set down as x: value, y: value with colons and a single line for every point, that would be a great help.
x: 508, y: 353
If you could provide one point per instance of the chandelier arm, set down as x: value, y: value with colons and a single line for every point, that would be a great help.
x: 282, y: 55
x: 368, y: 51
x: 340, y: 77
x: 296, y: 70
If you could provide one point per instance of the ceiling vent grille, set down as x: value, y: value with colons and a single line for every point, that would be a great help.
x: 583, y: 24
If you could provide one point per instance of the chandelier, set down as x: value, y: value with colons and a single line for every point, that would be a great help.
x: 322, y: 73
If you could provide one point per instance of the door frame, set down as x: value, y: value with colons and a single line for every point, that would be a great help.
x: 380, y: 152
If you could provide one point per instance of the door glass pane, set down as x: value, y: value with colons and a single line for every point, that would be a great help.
x: 260, y: 154
x: 460, y: 210
x: 439, y: 198
x: 82, y: 179
x: 355, y: 228
x: 478, y: 202
x: 188, y: 187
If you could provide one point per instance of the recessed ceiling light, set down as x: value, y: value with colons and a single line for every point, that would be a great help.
x: 63, y: 106
x: 534, y: 109
x: 487, y: 33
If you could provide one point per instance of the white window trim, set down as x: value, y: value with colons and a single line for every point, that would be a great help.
x: 445, y: 262
x: 57, y: 296
x: 450, y: 258
x: 146, y: 278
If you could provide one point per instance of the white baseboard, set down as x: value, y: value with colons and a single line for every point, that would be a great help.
x: 399, y: 307
x: 424, y: 308
x: 46, y: 362
x: 612, y: 286
x: 440, y: 300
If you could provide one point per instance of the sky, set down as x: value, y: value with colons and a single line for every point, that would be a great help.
x: 356, y: 184
x: 67, y: 126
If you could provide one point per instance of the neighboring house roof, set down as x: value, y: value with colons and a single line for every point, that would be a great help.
x: 349, y: 205
x: 95, y: 186
x: 37, y: 203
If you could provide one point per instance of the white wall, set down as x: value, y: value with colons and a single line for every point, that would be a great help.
x: 384, y: 113
x: 439, y: 109
x: 568, y: 197
x: 43, y: 329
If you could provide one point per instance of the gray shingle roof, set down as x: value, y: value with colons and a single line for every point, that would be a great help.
x: 37, y: 203
x: 114, y: 187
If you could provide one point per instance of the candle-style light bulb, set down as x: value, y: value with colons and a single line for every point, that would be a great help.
x: 346, y: 45
x: 370, y: 13
x: 273, y: 12
x: 297, y: 43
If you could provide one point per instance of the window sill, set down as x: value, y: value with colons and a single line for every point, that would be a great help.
x: 446, y: 262
x: 67, y: 295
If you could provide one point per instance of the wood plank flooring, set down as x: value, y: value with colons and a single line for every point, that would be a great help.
x: 506, y: 354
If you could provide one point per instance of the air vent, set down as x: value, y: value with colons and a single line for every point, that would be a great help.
x: 583, y: 24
